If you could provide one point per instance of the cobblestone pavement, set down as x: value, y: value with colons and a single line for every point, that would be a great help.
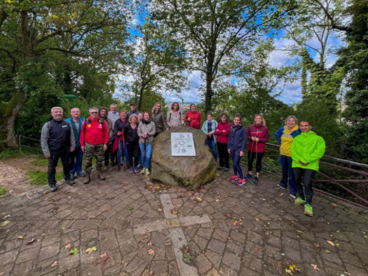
x: 136, y: 228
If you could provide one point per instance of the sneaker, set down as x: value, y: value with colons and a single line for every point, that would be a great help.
x: 131, y: 170
x: 256, y: 180
x: 72, y: 176
x: 219, y: 168
x: 291, y: 198
x: 227, y: 169
x: 53, y: 188
x: 241, y: 182
x: 280, y: 187
x: 299, y: 201
x: 143, y: 171
x: 70, y: 181
x: 139, y: 166
x: 308, y: 210
x: 81, y: 174
x: 234, y: 178
x: 136, y: 170
x: 248, y: 176
x: 147, y: 172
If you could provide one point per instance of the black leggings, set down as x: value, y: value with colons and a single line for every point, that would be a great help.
x: 258, y: 156
x: 133, y: 151
x: 223, y: 154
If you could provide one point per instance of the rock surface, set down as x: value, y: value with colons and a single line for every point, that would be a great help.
x: 190, y: 172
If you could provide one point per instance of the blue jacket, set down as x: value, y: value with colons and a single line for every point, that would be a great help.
x: 280, y: 132
x: 237, y: 138
x: 76, y: 132
x: 205, y: 128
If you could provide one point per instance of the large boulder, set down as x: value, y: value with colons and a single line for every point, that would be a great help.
x: 186, y: 171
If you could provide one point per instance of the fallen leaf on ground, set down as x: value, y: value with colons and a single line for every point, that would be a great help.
x: 316, y: 244
x: 74, y: 251
x: 293, y: 267
x: 333, y: 204
x: 1, y: 273
x: 31, y: 241
x: 54, y: 263
x: 159, y: 209
x: 236, y: 222
x: 257, y: 219
x: 6, y: 216
x: 151, y: 251
x: 199, y: 199
x: 174, y: 211
x: 68, y: 246
x: 91, y: 249
x: 229, y: 216
x: 331, y: 243
x: 151, y: 273
x: 315, y: 267
x: 281, y: 195
x: 186, y: 250
x: 256, y: 248
x: 4, y: 223
x: 288, y: 272
x: 20, y: 238
x: 102, y: 259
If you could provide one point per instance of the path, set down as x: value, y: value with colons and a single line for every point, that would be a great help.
x: 229, y: 230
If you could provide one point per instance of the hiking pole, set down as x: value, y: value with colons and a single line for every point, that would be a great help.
x: 256, y: 158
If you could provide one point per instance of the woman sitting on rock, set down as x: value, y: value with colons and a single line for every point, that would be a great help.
x: 146, y: 132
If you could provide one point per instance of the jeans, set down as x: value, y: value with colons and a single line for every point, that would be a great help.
x: 223, y: 155
x: 133, y: 152
x: 53, y: 161
x: 258, y: 156
x: 120, y: 152
x: 146, y: 151
x: 287, y: 171
x: 235, y: 156
x: 212, y: 146
x: 307, y: 179
x: 75, y: 161
x: 108, y: 155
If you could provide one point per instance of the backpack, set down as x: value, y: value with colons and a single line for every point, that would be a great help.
x: 170, y: 116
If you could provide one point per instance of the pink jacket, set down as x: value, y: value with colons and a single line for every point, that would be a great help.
x: 258, y: 131
x: 222, y: 137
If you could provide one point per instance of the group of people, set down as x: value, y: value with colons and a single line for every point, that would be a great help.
x: 111, y: 136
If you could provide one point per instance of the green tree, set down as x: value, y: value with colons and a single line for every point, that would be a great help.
x: 216, y: 33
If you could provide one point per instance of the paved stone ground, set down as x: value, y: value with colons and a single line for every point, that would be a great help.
x: 228, y: 230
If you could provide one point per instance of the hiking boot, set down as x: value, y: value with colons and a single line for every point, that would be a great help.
x: 234, y: 178
x: 219, y: 168
x: 256, y: 180
x: 70, y: 181
x: 226, y: 169
x: 280, y: 187
x: 136, y: 170
x: 53, y: 188
x: 308, y: 210
x: 72, y: 176
x: 100, y: 175
x: 131, y: 170
x: 248, y: 176
x: 291, y: 198
x: 299, y: 201
x: 147, y: 172
x: 88, y: 178
x: 81, y: 174
x: 241, y: 182
x: 143, y: 171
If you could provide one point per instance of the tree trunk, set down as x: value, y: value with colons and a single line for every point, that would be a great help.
x: 209, y: 94
x: 9, y: 112
x: 140, y: 98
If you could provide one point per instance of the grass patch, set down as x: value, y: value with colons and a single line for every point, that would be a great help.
x: 10, y: 153
x: 40, y: 162
x: 3, y: 191
x: 40, y: 178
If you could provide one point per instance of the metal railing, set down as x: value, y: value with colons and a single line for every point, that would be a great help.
x: 357, y: 174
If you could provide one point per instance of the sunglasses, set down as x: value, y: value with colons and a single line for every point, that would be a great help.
x: 94, y: 112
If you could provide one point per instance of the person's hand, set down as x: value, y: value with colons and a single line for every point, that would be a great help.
x: 257, y: 139
x: 119, y: 133
x: 209, y: 134
x: 303, y: 164
x: 228, y: 150
x: 71, y: 150
x: 223, y: 130
x: 252, y: 138
x: 82, y: 148
x: 189, y: 119
x: 105, y: 147
x: 167, y: 129
x: 48, y: 155
x: 241, y: 154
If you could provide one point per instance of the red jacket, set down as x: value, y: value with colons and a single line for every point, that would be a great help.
x: 262, y: 133
x: 222, y: 137
x: 195, y: 119
x: 94, y: 133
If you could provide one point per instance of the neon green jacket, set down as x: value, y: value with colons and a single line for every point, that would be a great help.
x: 307, y: 147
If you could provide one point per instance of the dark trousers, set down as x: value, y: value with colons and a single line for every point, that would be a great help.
x: 133, y: 152
x: 53, y: 161
x: 307, y: 179
x: 223, y: 155
x: 109, y: 155
x: 258, y: 156
x: 235, y: 156
x: 75, y: 161
x: 287, y: 172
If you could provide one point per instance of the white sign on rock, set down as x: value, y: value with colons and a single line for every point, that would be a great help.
x: 182, y: 144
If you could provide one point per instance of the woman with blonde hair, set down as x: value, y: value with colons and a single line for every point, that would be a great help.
x: 158, y: 117
x: 257, y: 136
x: 285, y: 136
